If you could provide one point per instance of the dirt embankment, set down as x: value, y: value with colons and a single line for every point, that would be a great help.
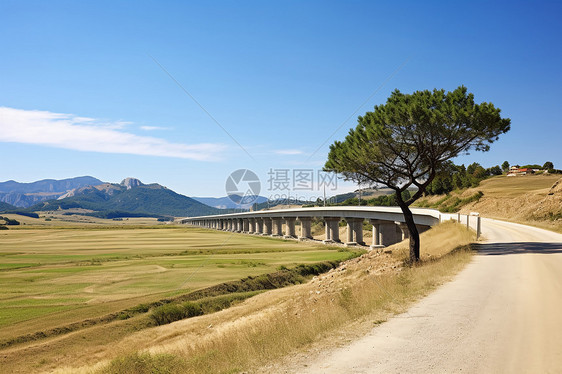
x: 532, y: 199
x: 542, y: 207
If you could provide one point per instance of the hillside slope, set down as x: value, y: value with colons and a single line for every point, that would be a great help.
x: 531, y: 199
x: 5, y: 206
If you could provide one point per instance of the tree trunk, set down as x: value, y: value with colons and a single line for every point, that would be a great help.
x: 414, y: 234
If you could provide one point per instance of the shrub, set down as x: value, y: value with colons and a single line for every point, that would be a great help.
x: 192, y: 309
x: 11, y: 222
x: 24, y: 213
x: 168, y: 313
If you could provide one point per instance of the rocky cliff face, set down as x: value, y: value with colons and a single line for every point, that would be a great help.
x: 24, y: 195
x: 131, y: 183
x: 23, y: 200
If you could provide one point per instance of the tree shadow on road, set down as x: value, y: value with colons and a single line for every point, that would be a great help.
x: 495, y: 249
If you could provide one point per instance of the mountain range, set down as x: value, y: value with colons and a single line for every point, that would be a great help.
x: 91, y: 196
x: 130, y: 198
x: 24, y: 195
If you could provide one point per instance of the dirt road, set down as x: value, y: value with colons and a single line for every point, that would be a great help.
x: 501, y: 314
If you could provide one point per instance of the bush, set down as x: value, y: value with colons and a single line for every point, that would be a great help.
x: 24, y: 213
x: 192, y: 309
x: 165, y: 219
x: 2, y: 227
x: 168, y: 313
x: 10, y: 222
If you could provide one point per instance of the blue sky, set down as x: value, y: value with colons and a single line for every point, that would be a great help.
x: 81, y: 93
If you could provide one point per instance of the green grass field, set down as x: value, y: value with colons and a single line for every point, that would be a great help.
x: 51, y: 277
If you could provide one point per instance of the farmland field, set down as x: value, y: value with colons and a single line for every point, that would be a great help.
x: 50, y: 277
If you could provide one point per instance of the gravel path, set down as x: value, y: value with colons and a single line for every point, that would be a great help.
x: 501, y: 314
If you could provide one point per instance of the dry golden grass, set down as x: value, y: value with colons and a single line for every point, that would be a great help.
x: 528, y: 199
x: 265, y: 328
x: 59, y: 220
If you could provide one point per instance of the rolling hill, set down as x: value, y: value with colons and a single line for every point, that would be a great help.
x: 6, y: 207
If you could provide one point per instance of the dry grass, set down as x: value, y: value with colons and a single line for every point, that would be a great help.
x: 51, y: 279
x: 529, y: 199
x: 271, y: 325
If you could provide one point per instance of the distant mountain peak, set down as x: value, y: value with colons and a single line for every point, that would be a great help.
x: 131, y: 183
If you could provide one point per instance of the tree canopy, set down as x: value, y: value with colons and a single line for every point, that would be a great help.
x: 408, y: 140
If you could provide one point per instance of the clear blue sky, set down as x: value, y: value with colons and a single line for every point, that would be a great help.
x: 81, y: 94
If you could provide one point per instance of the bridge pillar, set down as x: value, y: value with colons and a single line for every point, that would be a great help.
x: 306, y: 231
x: 354, y: 231
x: 404, y: 233
x: 290, y: 232
x: 245, y: 225
x: 332, y: 229
x: 259, y: 226
x: 277, y: 226
x: 387, y: 233
x: 251, y: 225
x: 377, y: 234
x: 267, y: 226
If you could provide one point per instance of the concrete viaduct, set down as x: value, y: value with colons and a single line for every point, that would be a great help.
x: 387, y: 223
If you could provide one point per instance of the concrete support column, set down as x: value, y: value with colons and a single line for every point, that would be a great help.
x: 290, y: 232
x: 252, y: 225
x: 277, y: 226
x: 332, y: 229
x: 267, y: 226
x: 239, y: 223
x: 354, y: 231
x: 359, y: 231
x: 405, y: 234
x: 350, y: 229
x: 245, y: 225
x: 306, y: 231
x: 377, y: 235
x: 259, y: 226
x: 230, y: 225
x: 388, y: 235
